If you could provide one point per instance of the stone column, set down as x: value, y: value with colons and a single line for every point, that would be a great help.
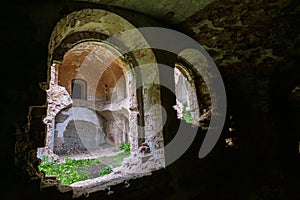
x: 133, y: 130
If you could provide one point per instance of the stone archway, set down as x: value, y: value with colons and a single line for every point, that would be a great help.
x: 93, y: 28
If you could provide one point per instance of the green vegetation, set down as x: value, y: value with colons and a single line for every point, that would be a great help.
x: 186, y: 114
x: 105, y: 171
x: 125, y: 146
x: 67, y: 171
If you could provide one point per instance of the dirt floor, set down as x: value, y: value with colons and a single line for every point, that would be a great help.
x: 103, y: 151
x: 94, y: 170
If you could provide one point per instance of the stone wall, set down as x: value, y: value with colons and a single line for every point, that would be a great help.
x: 76, y: 129
x: 252, y: 44
x: 256, y: 46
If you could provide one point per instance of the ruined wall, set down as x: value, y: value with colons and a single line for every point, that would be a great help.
x: 247, y: 39
x: 95, y: 24
x: 77, y: 129
x: 250, y: 42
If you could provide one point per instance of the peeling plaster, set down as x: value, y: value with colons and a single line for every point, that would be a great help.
x: 76, y: 113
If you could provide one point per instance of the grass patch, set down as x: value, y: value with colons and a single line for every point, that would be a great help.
x: 67, y: 171
x: 106, y: 170
x: 124, y: 146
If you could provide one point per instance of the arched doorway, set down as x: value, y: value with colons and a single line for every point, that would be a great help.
x: 110, y: 96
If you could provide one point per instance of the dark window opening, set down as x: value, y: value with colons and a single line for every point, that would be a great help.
x: 79, y: 87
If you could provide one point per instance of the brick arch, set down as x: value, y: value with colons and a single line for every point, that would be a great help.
x: 197, y: 81
x: 95, y: 54
x: 99, y: 26
x: 193, y: 93
x: 95, y: 25
x: 73, y: 39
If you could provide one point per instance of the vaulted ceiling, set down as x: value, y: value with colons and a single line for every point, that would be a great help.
x: 174, y: 11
